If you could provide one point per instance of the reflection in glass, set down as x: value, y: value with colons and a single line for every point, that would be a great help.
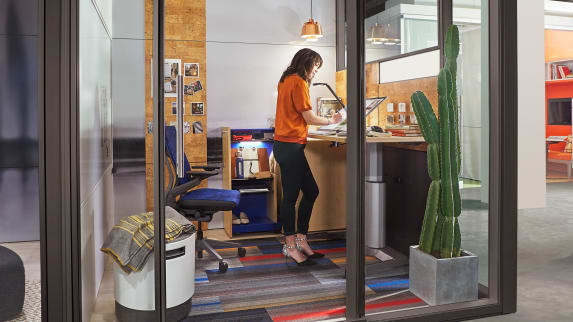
x: 401, y: 28
x: 473, y: 101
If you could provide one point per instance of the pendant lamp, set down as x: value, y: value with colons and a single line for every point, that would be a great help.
x: 311, y: 30
x: 376, y: 34
x: 391, y: 34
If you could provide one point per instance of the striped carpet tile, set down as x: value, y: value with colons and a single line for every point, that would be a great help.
x: 261, y: 287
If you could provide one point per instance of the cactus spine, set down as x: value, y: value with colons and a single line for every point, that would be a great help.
x: 440, y: 230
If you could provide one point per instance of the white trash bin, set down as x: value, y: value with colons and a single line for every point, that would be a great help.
x: 135, y: 292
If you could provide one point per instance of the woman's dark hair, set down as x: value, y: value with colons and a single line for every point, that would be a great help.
x: 302, y: 63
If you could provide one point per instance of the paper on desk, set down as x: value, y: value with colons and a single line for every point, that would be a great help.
x: 335, y: 126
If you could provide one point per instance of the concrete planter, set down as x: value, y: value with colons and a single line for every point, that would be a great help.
x: 443, y: 281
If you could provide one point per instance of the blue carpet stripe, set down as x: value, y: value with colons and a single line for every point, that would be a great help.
x: 406, y: 282
x: 205, y: 304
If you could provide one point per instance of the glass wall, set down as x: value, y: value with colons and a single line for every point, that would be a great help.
x: 412, y: 227
x: 401, y: 28
x: 473, y: 105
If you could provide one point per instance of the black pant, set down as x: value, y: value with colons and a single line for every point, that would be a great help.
x: 296, y: 176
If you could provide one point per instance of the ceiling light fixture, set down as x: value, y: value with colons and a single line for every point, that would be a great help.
x: 376, y: 34
x: 390, y: 32
x: 311, y: 30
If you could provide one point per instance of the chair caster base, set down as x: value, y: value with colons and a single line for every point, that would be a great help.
x: 223, y: 267
x: 242, y: 252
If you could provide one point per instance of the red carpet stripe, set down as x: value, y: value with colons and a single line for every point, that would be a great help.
x: 342, y: 310
x: 272, y: 256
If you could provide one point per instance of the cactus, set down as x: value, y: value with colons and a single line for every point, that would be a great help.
x: 440, y: 229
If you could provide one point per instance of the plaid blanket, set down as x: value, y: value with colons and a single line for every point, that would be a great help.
x: 130, y: 242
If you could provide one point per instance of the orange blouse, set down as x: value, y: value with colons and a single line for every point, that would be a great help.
x: 293, y: 99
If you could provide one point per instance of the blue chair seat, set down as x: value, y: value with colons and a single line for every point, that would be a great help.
x: 210, y: 199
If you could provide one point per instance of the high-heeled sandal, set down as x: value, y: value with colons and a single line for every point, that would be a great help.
x: 314, y: 255
x: 306, y: 262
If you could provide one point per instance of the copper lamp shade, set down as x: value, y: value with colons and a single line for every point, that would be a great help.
x: 311, y: 30
x: 376, y: 35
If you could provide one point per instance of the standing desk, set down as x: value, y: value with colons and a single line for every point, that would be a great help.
x: 375, y: 185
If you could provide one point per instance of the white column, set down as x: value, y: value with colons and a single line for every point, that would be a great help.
x: 531, y: 99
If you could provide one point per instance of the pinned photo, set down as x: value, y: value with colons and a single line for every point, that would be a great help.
x: 197, y: 127
x: 197, y: 86
x: 191, y: 69
x: 188, y: 90
x: 171, y: 70
x: 170, y: 87
x: 197, y: 109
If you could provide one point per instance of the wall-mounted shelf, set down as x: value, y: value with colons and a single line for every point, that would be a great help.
x: 559, y: 81
x: 552, y: 72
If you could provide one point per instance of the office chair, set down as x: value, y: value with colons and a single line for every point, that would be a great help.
x: 200, y: 204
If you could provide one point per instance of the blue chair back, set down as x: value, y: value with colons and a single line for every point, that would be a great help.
x: 171, y: 149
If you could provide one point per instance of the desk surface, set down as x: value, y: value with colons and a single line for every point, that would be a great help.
x: 382, y: 139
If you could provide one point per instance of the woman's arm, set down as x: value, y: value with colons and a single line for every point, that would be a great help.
x: 313, y: 119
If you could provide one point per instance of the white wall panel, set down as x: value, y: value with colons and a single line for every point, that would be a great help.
x: 129, y: 19
x: 270, y: 22
x: 411, y: 67
x: 105, y: 10
x: 96, y: 188
x: 128, y: 83
x: 531, y: 99
x: 97, y: 219
x: 242, y: 87
x: 94, y: 79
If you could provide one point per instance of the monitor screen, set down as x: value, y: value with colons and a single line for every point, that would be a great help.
x: 559, y: 111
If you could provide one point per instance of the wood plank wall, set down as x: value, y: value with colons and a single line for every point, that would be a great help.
x: 400, y: 92
x: 185, y: 39
x: 396, y: 92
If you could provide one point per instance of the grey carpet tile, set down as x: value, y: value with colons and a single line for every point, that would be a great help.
x: 257, y: 315
x: 268, y: 282
x: 206, y: 305
x: 252, y: 272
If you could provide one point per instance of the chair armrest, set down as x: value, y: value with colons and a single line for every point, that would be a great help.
x: 203, y: 174
x: 208, y: 167
x: 179, y: 190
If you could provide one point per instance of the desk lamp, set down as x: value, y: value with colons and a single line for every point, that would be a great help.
x: 333, y: 93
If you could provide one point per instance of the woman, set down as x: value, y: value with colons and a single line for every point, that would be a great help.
x: 293, y: 116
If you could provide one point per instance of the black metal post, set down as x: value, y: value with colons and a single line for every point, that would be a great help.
x: 355, y: 162
x: 159, y: 159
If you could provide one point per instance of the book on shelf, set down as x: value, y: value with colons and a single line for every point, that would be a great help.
x: 560, y: 71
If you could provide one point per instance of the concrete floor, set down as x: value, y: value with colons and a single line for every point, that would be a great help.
x: 545, y: 260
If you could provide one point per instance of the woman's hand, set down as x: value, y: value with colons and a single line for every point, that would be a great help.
x: 336, y: 118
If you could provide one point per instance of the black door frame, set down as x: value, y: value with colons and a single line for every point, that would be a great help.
x: 59, y: 177
x: 59, y: 160
x: 59, y: 164
x: 503, y: 166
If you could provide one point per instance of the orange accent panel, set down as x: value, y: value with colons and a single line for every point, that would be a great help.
x: 557, y: 90
x: 558, y: 45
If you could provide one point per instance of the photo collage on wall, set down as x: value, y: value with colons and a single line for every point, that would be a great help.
x: 192, y: 85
